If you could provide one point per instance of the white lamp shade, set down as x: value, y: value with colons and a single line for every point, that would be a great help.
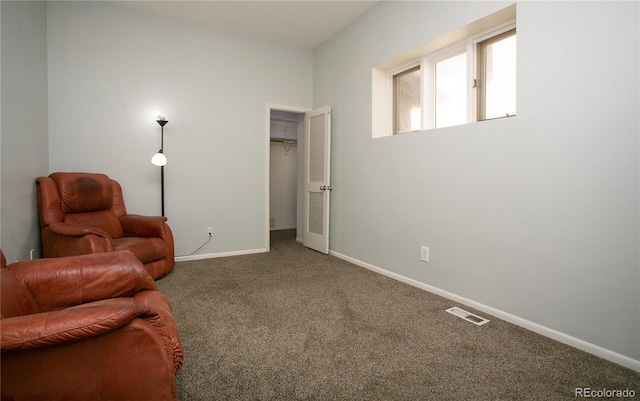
x: 159, y: 159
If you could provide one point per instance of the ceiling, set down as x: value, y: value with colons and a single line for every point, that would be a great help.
x: 304, y: 23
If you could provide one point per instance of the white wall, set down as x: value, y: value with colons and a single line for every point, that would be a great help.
x: 283, y: 185
x: 110, y: 67
x: 23, y: 133
x: 535, y: 216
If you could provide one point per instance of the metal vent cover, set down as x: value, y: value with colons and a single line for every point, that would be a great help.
x: 468, y: 316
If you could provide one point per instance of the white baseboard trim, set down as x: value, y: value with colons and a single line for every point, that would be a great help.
x: 535, y: 327
x: 219, y: 255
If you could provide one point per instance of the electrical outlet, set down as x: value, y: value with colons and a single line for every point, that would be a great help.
x: 210, y: 231
x: 424, y: 254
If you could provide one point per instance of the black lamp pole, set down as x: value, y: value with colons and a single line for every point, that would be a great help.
x: 162, y: 123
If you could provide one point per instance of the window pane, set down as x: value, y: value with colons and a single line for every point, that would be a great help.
x: 406, y: 89
x: 500, y: 76
x: 451, y: 91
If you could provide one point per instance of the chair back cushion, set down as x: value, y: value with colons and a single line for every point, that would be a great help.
x: 88, y: 199
x: 16, y: 300
x: 83, y: 192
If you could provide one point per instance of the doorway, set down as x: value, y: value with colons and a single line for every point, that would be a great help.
x: 285, y: 136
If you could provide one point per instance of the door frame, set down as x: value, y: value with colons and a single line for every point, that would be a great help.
x: 267, y: 169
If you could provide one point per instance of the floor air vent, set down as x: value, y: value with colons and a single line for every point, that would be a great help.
x: 469, y: 317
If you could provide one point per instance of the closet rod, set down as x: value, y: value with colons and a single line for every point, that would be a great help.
x: 286, y: 140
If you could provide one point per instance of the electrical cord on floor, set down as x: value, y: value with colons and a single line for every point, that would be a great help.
x: 200, y: 247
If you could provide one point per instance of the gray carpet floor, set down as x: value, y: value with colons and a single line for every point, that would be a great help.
x: 294, y: 324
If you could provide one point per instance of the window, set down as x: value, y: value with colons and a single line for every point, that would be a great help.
x: 466, y: 76
x: 406, y: 101
x: 451, y: 91
x: 497, y: 76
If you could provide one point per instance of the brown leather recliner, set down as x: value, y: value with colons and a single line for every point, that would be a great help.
x: 83, y: 213
x: 90, y: 327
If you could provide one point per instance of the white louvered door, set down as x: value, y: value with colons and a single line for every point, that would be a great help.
x: 317, y: 186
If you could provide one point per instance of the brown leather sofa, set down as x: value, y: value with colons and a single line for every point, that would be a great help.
x: 90, y: 327
x: 83, y: 213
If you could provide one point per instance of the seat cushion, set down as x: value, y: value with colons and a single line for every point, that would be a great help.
x: 145, y: 249
x: 105, y: 220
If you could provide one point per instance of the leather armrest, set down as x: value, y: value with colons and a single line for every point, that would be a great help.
x: 62, y: 282
x: 166, y: 325
x: 76, y: 230
x: 56, y: 245
x: 135, y: 225
x: 67, y: 325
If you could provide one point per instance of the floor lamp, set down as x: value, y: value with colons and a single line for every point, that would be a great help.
x: 159, y: 159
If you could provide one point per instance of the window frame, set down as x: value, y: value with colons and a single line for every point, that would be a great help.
x: 426, y: 56
x: 480, y: 45
x: 405, y: 70
x: 429, y: 106
x: 475, y: 98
